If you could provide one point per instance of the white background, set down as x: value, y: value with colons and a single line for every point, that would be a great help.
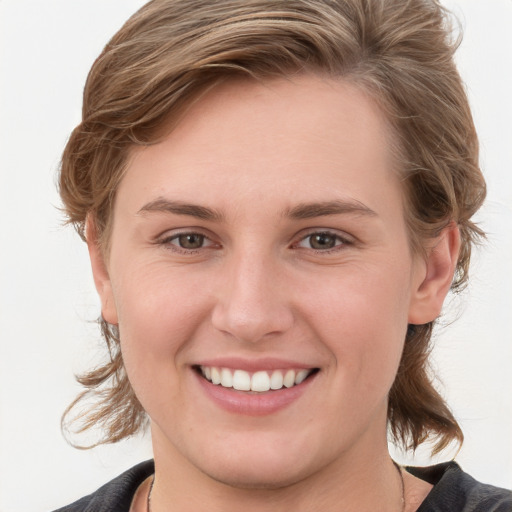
x: 47, y: 300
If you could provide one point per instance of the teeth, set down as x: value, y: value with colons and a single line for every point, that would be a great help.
x: 226, y: 378
x: 289, y: 378
x: 276, y: 380
x: 241, y: 380
x: 216, y: 376
x: 260, y: 381
x: 301, y: 375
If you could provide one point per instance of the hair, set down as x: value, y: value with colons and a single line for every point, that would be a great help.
x: 398, y: 51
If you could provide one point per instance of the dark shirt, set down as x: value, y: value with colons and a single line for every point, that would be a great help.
x: 453, y: 491
x: 456, y: 491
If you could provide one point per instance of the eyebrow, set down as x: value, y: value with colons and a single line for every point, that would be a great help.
x: 180, y: 208
x: 319, y: 209
x: 301, y: 211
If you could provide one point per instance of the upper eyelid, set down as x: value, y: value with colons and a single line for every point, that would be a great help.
x: 341, y: 235
x: 168, y: 242
x: 168, y: 239
x: 171, y: 234
x: 174, y: 233
x: 343, y: 242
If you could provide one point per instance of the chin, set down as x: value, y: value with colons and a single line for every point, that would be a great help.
x: 271, y: 465
x: 245, y: 477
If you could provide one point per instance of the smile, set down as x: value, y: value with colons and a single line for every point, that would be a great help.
x: 259, y: 381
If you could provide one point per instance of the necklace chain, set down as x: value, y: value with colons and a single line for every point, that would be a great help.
x: 398, y: 468
x: 148, y: 505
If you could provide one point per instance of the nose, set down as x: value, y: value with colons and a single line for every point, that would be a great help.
x: 253, y: 301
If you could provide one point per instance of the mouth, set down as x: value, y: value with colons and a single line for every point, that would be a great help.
x: 261, y: 381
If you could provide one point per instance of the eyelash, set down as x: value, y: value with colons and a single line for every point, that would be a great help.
x: 167, y: 241
x: 339, y: 240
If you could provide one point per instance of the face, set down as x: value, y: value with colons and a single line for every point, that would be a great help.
x: 262, y: 245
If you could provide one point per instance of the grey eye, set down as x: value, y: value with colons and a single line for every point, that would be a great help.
x: 321, y: 241
x: 190, y: 241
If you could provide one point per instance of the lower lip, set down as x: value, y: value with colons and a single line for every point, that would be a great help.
x: 253, y: 404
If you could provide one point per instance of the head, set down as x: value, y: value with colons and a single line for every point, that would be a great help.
x: 172, y: 54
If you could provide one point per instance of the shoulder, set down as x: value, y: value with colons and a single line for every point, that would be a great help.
x: 456, y: 491
x: 116, y: 495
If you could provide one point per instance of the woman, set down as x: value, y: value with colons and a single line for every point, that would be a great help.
x: 276, y: 197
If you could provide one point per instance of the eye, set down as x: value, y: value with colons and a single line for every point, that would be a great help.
x: 187, y: 241
x: 322, y: 241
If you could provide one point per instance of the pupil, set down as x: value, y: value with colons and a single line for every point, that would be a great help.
x: 322, y: 241
x: 191, y: 241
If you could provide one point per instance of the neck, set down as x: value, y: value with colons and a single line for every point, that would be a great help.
x: 347, y: 484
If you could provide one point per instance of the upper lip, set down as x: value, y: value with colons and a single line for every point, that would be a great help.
x: 254, y: 365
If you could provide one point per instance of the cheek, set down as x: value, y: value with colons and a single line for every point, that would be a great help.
x: 154, y: 300
x: 362, y: 318
x: 158, y: 317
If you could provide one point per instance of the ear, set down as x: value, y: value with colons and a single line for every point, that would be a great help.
x: 100, y: 273
x: 434, y: 277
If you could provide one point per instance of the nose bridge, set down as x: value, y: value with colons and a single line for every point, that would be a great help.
x: 251, y: 301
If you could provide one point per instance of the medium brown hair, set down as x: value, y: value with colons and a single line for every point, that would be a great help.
x: 398, y: 51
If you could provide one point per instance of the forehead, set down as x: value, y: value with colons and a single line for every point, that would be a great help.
x: 287, y: 138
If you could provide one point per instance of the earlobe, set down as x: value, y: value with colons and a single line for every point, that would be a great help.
x: 100, y: 273
x: 436, y: 277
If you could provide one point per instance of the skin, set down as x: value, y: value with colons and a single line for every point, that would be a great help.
x: 253, y: 154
